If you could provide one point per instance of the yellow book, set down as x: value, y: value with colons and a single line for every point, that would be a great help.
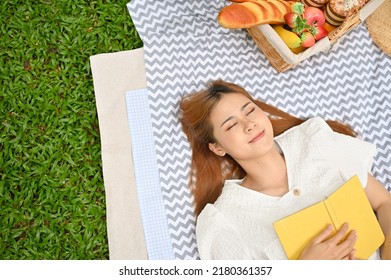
x: 347, y: 204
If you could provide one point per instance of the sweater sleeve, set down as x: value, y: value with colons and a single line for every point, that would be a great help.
x: 217, y: 239
x: 351, y: 156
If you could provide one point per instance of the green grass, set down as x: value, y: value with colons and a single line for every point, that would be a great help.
x: 52, y: 200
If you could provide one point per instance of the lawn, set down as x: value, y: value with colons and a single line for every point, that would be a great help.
x: 52, y: 195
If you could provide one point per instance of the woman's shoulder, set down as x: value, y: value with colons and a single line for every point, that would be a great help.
x: 314, y: 125
x: 210, y: 211
x: 212, y: 218
x: 309, y: 129
x: 210, y: 222
x: 350, y: 155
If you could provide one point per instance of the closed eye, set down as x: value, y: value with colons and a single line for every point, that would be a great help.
x: 231, y: 126
x: 252, y: 110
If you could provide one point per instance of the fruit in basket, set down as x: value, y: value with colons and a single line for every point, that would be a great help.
x: 246, y: 14
x: 329, y: 27
x: 320, y: 32
x: 307, y: 39
x: 307, y: 23
x: 306, y: 18
x: 291, y: 39
x: 291, y: 19
x: 298, y: 50
x: 314, y: 16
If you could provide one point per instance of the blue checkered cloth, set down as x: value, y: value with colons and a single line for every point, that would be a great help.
x: 150, y: 198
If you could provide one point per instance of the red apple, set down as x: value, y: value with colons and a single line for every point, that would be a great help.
x: 320, y: 32
x: 314, y: 16
x: 290, y: 19
x: 307, y: 39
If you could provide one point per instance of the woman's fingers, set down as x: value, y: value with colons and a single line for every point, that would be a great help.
x: 344, y: 247
x: 351, y: 255
x: 347, y: 246
x: 323, y: 235
x: 341, y: 233
x: 327, y: 245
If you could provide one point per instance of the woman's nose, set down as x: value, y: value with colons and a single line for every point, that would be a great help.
x: 250, y: 126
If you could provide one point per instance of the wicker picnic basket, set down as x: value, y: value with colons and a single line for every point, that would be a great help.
x: 379, y: 26
x: 282, y: 58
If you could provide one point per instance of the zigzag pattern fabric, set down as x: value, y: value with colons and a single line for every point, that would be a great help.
x: 185, y: 48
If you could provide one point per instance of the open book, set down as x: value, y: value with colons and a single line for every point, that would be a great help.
x: 347, y: 204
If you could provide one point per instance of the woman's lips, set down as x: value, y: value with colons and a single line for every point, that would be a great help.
x: 258, y: 136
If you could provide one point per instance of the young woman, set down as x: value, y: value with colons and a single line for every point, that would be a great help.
x: 253, y: 164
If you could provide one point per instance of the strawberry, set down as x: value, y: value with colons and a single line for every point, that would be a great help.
x: 320, y: 32
x: 307, y: 39
x: 299, y: 22
x: 291, y: 19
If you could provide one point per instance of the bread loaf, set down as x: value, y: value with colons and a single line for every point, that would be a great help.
x: 246, y: 14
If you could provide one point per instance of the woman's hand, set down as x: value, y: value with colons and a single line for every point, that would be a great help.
x: 324, y: 247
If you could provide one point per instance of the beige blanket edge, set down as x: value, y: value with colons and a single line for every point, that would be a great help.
x: 113, y: 75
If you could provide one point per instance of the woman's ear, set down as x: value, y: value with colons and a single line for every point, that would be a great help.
x: 217, y: 149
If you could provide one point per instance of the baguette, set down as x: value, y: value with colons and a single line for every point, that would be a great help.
x: 246, y: 14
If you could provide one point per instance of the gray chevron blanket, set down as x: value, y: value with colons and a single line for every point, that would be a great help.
x: 185, y: 48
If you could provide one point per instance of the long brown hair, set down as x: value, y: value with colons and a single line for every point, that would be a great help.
x: 209, y: 171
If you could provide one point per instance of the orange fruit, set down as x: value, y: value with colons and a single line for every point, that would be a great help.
x: 329, y: 27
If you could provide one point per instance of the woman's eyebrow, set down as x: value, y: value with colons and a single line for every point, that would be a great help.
x: 231, y: 117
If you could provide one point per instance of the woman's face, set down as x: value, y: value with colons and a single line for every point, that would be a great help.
x: 240, y: 128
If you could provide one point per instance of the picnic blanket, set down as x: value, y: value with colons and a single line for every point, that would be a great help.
x: 114, y: 74
x: 185, y: 48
